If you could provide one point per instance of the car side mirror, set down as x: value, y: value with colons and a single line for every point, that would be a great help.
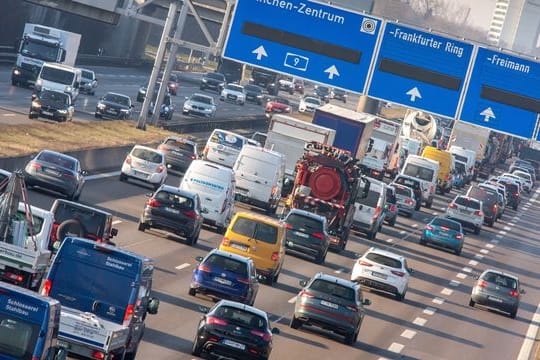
x: 34, y: 96
x: 199, y: 258
x: 522, y: 291
x: 153, y: 306
x: 84, y: 172
x: 148, y: 194
x: 114, y: 231
x: 204, y: 309
x: 302, y: 283
x: 275, y: 331
x: 366, y: 302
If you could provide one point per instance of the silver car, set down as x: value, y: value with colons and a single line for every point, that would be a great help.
x: 88, y: 82
x: 406, y: 202
x: 199, y: 104
x: 497, y: 290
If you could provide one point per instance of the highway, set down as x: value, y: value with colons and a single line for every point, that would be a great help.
x: 433, y: 322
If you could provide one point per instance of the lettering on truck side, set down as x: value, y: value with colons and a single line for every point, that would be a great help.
x: 20, y: 308
x: 117, y: 263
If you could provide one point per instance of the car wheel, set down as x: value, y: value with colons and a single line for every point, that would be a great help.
x: 350, y: 339
x: 400, y: 297
x: 192, y: 291
x: 490, y: 224
x: 458, y: 251
x: 429, y: 203
x: 471, y: 302
x: 477, y: 230
x: 197, y: 348
x: 295, y: 323
x: 142, y: 226
x: 372, y: 235
x: 123, y: 177
x: 392, y: 222
x: 192, y: 240
x: 514, y: 207
x: 513, y: 314
x: 319, y: 259
x: 422, y: 241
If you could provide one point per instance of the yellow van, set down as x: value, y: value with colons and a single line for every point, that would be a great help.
x: 444, y: 181
x: 260, y: 238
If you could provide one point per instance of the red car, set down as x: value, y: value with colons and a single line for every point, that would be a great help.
x: 299, y: 86
x: 277, y: 106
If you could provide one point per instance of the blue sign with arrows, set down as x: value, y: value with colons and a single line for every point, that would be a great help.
x: 503, y: 93
x: 304, y: 39
x: 421, y: 70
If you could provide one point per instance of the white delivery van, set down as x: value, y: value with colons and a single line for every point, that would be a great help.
x: 215, y: 185
x: 467, y: 156
x: 369, y: 211
x: 259, y: 177
x: 427, y: 171
x: 61, y: 78
x: 223, y: 147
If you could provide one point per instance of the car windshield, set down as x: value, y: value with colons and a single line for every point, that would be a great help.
x: 372, y: 199
x: 117, y: 99
x: 484, y: 195
x: 500, y: 280
x: 253, y: 88
x: 148, y: 155
x: 93, y: 221
x: 216, y: 76
x: 181, y: 145
x: 384, y: 260
x: 202, y: 99
x: 403, y: 191
x: 87, y: 74
x: 227, y: 139
x: 61, y: 76
x: 312, y: 101
x: 334, y: 289
x: 57, y: 159
x: 282, y: 101
x: 241, y: 317
x: 256, y: 230
x: 420, y: 172
x: 446, y: 223
x: 234, y: 87
x: 55, y: 96
x: 298, y: 221
x: 226, y: 263
x: 468, y: 202
x: 323, y: 90
x: 17, y: 336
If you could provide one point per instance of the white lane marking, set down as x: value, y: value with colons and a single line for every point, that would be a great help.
x: 408, y: 334
x: 183, y: 266
x: 515, y: 218
x: 116, y: 222
x: 279, y: 319
x: 473, y: 262
x: 414, y: 225
x: 494, y: 241
x: 484, y: 251
x: 461, y: 276
x: 402, y: 232
x: 490, y: 246
x: 502, y: 232
x: 447, y: 291
x: 507, y: 228
x: 466, y: 269
x: 455, y: 283
x: 389, y: 240
x: 419, y: 321
x: 438, y: 301
x: 511, y: 224
x: 530, y: 337
x: 478, y: 256
x: 499, y: 236
x: 339, y: 271
x: 102, y: 176
x: 435, y: 213
x: 396, y: 348
x: 292, y: 300
x: 429, y: 311
x: 8, y: 114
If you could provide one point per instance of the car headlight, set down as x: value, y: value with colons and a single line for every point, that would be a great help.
x: 101, y: 106
x: 204, y: 80
x: 16, y: 72
x: 222, y: 84
x: 68, y: 88
x: 125, y: 111
x: 166, y: 109
x: 287, y: 109
x: 142, y: 91
x: 62, y: 111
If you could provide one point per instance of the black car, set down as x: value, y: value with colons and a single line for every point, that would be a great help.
x: 55, y: 171
x: 234, y: 330
x: 306, y: 234
x: 179, y: 152
x: 214, y: 81
x: 254, y: 94
x: 175, y: 210
x: 323, y: 93
x: 143, y: 90
x: 489, y: 201
x: 414, y: 184
x: 114, y: 106
x: 52, y: 104
x: 338, y: 94
x: 512, y: 190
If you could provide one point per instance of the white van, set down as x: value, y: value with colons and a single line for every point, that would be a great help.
x: 427, y: 171
x: 259, y: 177
x: 59, y: 77
x: 215, y: 185
x: 223, y: 147
x: 369, y: 211
x: 467, y: 156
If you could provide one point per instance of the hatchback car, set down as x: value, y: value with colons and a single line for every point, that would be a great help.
x: 233, y: 93
x: 179, y: 152
x: 222, y: 275
x: 413, y: 183
x: 307, y: 234
x: 174, y: 210
x: 199, y: 104
x: 467, y: 211
x: 339, y: 94
x: 443, y: 232
x: 234, y: 330
x: 330, y: 303
x: 512, y: 191
x: 526, y: 178
x: 497, y: 290
x: 55, y: 171
x: 114, y: 106
x: 405, y: 199
x: 384, y: 271
x: 51, y: 104
x: 390, y: 206
x: 145, y: 164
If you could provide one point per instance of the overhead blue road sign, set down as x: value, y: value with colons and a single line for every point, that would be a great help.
x: 503, y: 93
x: 419, y: 69
x: 304, y: 39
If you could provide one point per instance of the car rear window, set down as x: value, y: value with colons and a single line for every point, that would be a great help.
x: 500, y: 280
x: 384, y: 260
x: 180, y: 145
x: 468, y: 202
x: 148, y: 155
x: 372, y: 199
x: 241, y: 317
x: 420, y: 172
x: 414, y: 184
x: 56, y: 159
x: 256, y: 230
x: 447, y: 223
x: 227, y: 139
x: 483, y: 195
x: 172, y: 198
x: 299, y: 221
x: 403, y: 191
x: 510, y: 187
x: 227, y: 264
x: 460, y: 158
x: 333, y: 289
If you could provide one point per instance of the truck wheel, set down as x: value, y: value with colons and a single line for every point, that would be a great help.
x: 429, y: 203
x: 71, y: 227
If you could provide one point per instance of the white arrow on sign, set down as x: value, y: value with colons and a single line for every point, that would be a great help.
x: 260, y: 51
x: 488, y: 114
x: 414, y: 93
x: 332, y: 71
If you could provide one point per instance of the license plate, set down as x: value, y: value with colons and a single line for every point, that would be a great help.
x: 239, y: 246
x: 48, y: 113
x: 378, y: 275
x: 223, y: 281
x: 301, y: 234
x: 63, y: 344
x: 495, y: 299
x: 329, y: 304
x: 51, y: 171
x: 233, y: 344
x: 173, y: 211
x: 140, y: 174
x: 464, y: 211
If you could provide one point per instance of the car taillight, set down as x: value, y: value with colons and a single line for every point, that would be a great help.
x: 478, y: 213
x: 306, y: 294
x: 35, y: 166
x: 429, y: 228
x: 47, y: 285
x: 452, y: 206
x: 459, y: 236
x: 225, y: 241
x: 377, y: 211
x: 398, y: 273
x: 96, y: 354
x: 275, y: 256
x: 204, y: 268
x: 193, y: 157
x: 364, y: 263
x: 495, y: 207
x: 212, y: 320
x: 318, y: 235
x: 514, y: 293
x: 392, y: 207
x: 408, y: 202
x: 224, y: 206
x: 266, y: 336
x: 128, y: 159
x: 190, y: 214
x: 352, y: 308
x: 445, y: 228
x: 516, y: 193
x: 128, y: 315
x: 154, y: 203
x: 160, y: 168
x: 288, y: 226
x: 482, y: 283
x: 375, y: 173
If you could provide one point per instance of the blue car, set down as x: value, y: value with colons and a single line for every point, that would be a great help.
x: 222, y: 275
x: 443, y: 232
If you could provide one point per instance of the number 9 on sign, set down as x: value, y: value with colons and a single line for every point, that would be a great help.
x: 296, y: 61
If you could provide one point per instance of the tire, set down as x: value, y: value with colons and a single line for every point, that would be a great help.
x: 192, y: 292
x: 350, y: 339
x: 513, y: 314
x: 477, y: 230
x: 372, y: 235
x: 132, y: 354
x: 458, y: 251
x: 122, y: 177
x: 392, y: 222
x: 71, y: 225
x: 192, y: 240
x: 97, y: 116
x: 422, y: 241
x: 471, y: 302
x: 320, y: 258
x: 142, y: 226
x: 197, y: 348
x: 295, y: 323
x: 490, y: 224
x: 429, y: 203
x: 400, y: 297
x: 417, y: 206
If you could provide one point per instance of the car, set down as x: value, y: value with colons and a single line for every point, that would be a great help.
x: 522, y: 181
x: 490, y: 202
x: 145, y: 164
x: 443, y: 232
x: 199, y: 104
x: 143, y: 89
x: 55, y: 171
x: 497, y: 290
x: 4, y: 178
x: 384, y: 271
x: 89, y: 82
x: 277, y: 105
x: 390, y: 206
x: 234, y: 330
x: 299, y: 86
x: 167, y: 108
x: 369, y: 212
x: 526, y: 178
x: 286, y: 84
x: 307, y: 234
x: 512, y: 191
x: 309, y: 104
x: 405, y: 199
x: 172, y: 84
x: 114, y: 106
x: 323, y: 93
x: 501, y: 204
x: 523, y: 166
x: 52, y: 104
x: 339, y: 94
x: 233, y: 93
x: 331, y: 303
x: 467, y: 211
x: 179, y: 152
x: 222, y: 275
x: 415, y: 184
x: 254, y: 94
x: 213, y: 81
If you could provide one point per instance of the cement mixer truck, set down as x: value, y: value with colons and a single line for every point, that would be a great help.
x: 420, y: 126
x: 326, y: 183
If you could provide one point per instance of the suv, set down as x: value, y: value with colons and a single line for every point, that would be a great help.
x: 71, y: 218
x: 413, y: 183
x: 490, y: 202
x: 214, y: 81
x: 331, y: 303
x: 467, y: 211
x: 390, y: 206
x: 179, y: 152
x: 307, y: 234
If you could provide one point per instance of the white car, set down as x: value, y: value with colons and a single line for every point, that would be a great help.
x: 145, y: 164
x: 234, y: 93
x: 526, y: 178
x: 383, y: 271
x: 514, y: 178
x: 199, y: 104
x: 309, y: 104
x: 467, y: 211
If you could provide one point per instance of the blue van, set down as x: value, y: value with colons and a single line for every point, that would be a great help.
x: 105, y: 294
x: 28, y: 325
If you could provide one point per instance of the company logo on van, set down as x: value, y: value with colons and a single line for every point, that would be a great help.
x: 207, y: 183
x: 117, y: 263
